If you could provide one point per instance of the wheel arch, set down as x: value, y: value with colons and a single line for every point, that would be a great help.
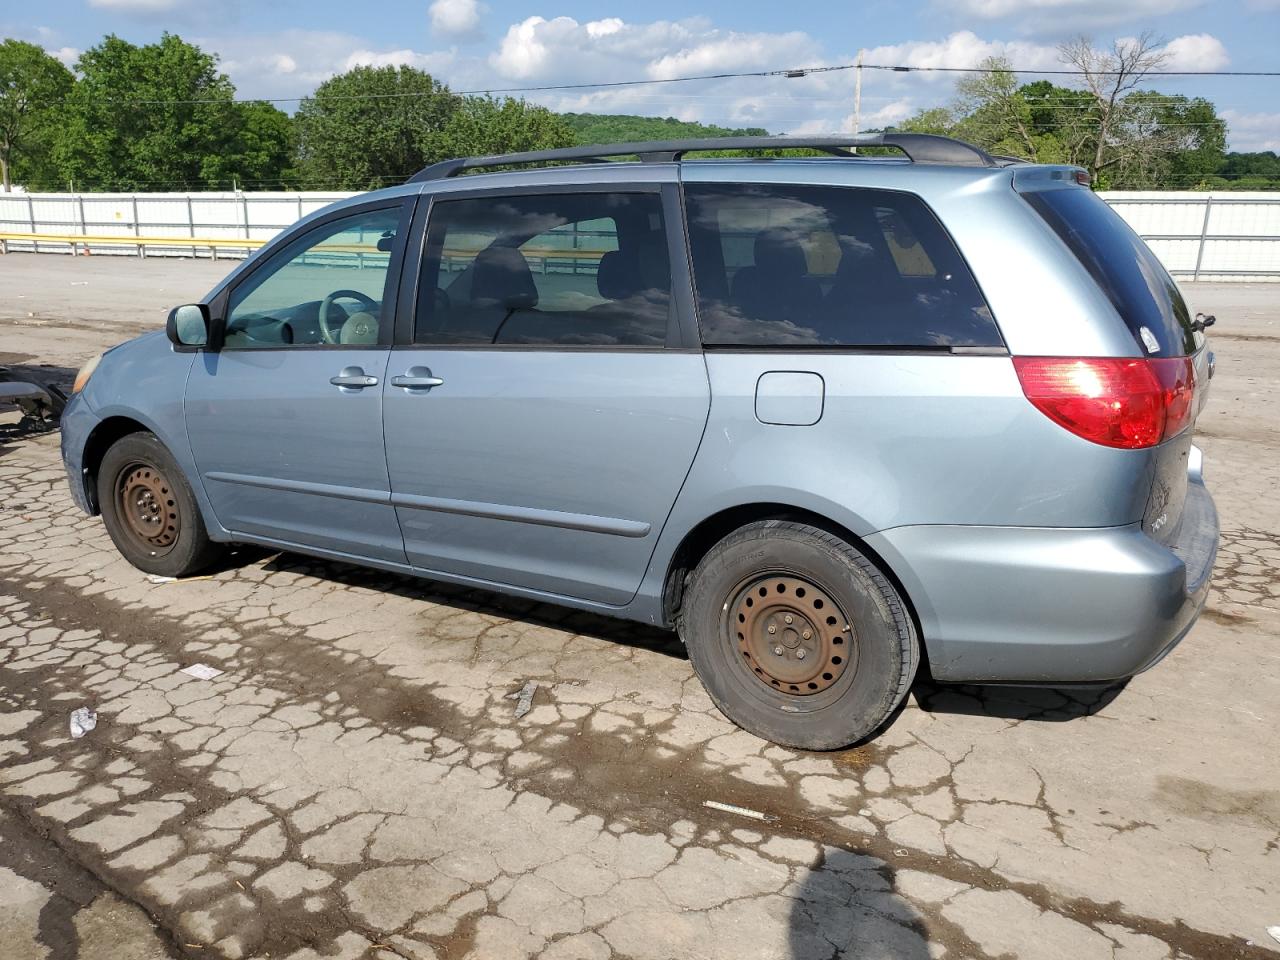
x: 96, y: 445
x: 711, y: 530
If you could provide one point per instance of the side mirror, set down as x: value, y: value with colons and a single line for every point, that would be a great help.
x: 188, y: 326
x: 386, y: 242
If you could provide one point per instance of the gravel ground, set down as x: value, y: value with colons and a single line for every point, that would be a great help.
x: 355, y: 784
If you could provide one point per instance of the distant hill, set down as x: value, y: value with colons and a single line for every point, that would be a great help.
x: 624, y: 128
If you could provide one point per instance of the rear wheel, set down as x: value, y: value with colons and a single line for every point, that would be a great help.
x: 797, y: 636
x: 149, y: 510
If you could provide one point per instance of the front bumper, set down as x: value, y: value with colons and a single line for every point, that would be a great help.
x: 1054, y: 605
x: 78, y: 421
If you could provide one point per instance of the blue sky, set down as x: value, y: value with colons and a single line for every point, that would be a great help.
x: 283, y: 48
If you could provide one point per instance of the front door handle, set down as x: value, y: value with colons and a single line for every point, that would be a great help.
x: 352, y: 379
x: 416, y: 378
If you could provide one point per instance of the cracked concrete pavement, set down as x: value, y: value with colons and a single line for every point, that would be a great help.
x: 354, y: 783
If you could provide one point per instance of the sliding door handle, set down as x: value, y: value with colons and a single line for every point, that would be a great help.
x: 416, y: 378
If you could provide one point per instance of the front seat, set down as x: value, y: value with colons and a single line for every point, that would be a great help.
x: 777, y: 287
x: 501, y: 285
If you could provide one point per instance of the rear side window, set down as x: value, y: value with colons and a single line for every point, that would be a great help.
x: 783, y: 265
x: 587, y: 269
x: 1123, y: 266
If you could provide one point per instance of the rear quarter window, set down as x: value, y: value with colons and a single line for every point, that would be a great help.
x: 1123, y: 266
x: 790, y: 265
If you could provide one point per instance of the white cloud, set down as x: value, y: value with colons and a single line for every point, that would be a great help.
x: 455, y: 18
x: 430, y: 62
x: 1252, y: 131
x: 292, y: 63
x: 737, y: 51
x: 68, y: 55
x: 1197, y: 51
x: 965, y: 49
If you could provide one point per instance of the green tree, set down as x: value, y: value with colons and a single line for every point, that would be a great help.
x: 161, y: 116
x: 261, y: 150
x: 484, y: 125
x: 372, y: 126
x: 32, y: 87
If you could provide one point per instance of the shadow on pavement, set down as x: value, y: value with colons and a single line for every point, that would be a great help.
x: 1051, y: 704
x: 609, y: 629
x: 846, y: 907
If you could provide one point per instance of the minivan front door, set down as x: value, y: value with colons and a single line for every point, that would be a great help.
x: 541, y: 423
x: 285, y: 420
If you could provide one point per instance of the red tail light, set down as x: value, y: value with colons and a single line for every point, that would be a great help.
x: 1114, y: 401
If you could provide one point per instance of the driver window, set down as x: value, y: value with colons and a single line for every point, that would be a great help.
x: 327, y: 288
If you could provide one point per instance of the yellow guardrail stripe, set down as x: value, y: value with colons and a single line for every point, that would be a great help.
x: 247, y: 243
x: 76, y: 238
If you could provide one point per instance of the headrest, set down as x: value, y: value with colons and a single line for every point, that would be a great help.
x: 618, y: 277
x: 502, y: 276
x: 778, y: 253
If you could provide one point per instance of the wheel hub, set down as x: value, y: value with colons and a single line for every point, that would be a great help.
x: 148, y: 507
x: 792, y: 634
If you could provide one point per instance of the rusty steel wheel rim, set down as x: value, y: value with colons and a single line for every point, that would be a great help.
x: 148, y: 508
x: 791, y: 634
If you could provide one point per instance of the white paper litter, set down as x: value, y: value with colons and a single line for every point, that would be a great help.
x: 82, y: 721
x: 1275, y: 933
x: 156, y: 578
x: 740, y: 811
x: 524, y: 698
x: 201, y: 671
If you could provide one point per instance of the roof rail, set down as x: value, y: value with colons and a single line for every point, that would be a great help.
x: 918, y: 147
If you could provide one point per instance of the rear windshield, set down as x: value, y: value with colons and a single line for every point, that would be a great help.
x: 1122, y: 265
x: 807, y: 266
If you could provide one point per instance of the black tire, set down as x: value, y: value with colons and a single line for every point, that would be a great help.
x: 865, y: 651
x: 159, y: 528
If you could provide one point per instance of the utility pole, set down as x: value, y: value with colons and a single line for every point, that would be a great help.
x: 857, y: 95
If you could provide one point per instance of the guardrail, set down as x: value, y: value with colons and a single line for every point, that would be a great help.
x: 1198, y: 236
x: 1207, y: 236
x: 78, y: 241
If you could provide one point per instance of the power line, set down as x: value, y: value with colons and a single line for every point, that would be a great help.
x: 790, y: 73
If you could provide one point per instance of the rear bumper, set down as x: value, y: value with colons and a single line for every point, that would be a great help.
x: 1054, y: 605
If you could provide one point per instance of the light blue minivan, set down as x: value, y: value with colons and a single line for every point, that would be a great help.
x: 830, y: 417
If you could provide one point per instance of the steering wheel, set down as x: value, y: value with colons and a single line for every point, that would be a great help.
x: 328, y: 333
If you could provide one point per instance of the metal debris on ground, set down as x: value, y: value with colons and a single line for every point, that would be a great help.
x: 524, y: 698
x: 201, y: 671
x: 740, y: 811
x: 82, y: 721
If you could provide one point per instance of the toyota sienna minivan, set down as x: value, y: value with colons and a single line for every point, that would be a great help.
x: 829, y: 417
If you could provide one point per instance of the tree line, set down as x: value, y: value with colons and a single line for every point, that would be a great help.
x: 1127, y: 137
x: 161, y: 116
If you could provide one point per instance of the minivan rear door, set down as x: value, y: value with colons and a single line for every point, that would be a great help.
x: 545, y: 400
x: 1149, y: 302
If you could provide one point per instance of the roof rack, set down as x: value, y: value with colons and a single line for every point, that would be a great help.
x: 918, y: 147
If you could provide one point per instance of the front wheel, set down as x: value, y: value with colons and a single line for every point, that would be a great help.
x: 149, y: 510
x: 797, y: 636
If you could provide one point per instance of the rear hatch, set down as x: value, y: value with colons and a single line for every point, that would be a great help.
x: 1167, y: 337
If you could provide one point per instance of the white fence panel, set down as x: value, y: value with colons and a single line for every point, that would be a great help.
x: 1207, y: 236
x: 1204, y: 236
